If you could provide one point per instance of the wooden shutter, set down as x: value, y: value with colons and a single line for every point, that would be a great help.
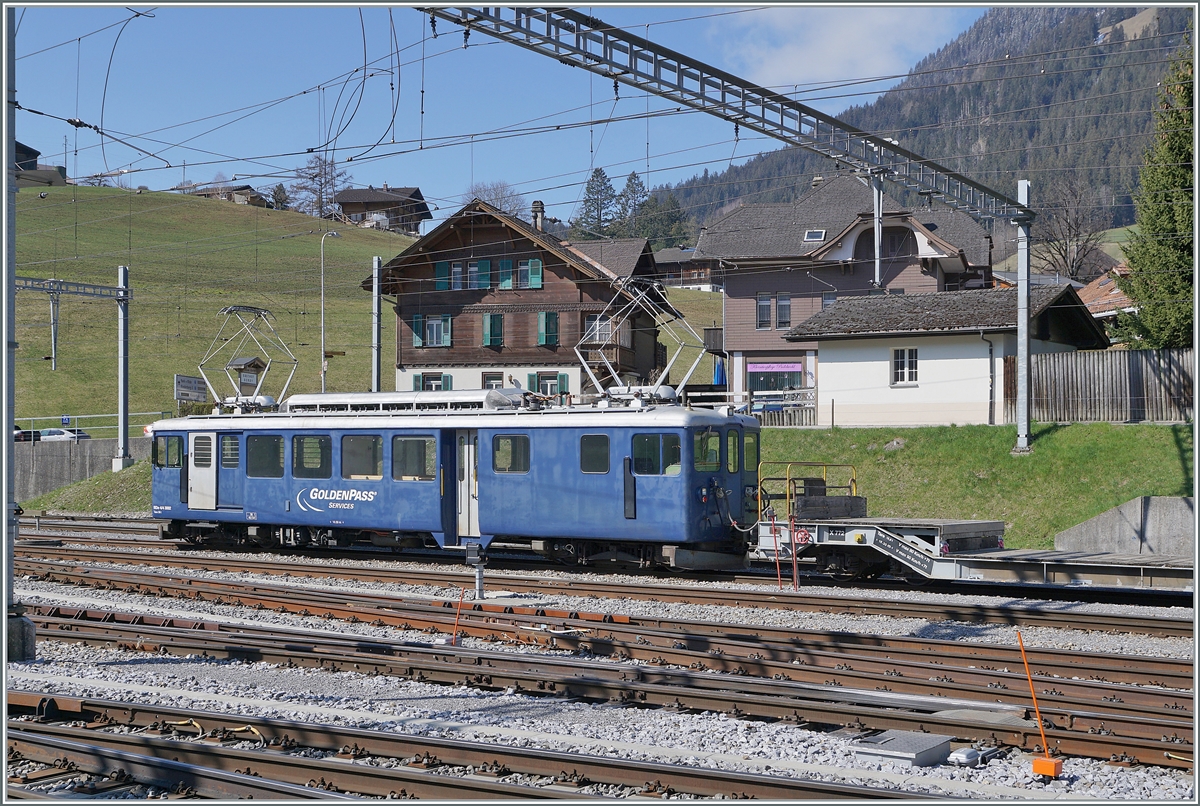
x: 564, y: 383
x: 418, y: 327
x: 506, y: 278
x: 485, y: 274
x: 445, y: 330
x: 531, y: 381
x: 417, y: 382
x: 441, y: 275
x: 447, y: 383
x: 535, y: 273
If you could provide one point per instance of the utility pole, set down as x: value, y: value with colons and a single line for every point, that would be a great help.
x: 22, y: 639
x: 122, y: 459
x: 376, y: 321
x: 1022, y: 223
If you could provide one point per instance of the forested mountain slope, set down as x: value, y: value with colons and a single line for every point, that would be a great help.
x: 1024, y: 93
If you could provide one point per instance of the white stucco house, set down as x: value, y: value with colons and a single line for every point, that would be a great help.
x: 934, y: 359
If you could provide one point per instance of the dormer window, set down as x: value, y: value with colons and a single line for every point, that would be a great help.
x: 814, y: 235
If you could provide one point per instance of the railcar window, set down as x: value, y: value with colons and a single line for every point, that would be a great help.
x: 750, y: 447
x: 264, y: 457
x: 362, y: 456
x: 229, y: 451
x: 510, y: 453
x: 656, y: 455
x: 202, y: 452
x: 593, y: 453
x: 708, y: 451
x: 168, y: 451
x: 731, y: 452
x: 414, y: 459
x: 312, y: 456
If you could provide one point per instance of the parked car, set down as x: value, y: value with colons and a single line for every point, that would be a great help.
x: 20, y: 435
x: 63, y: 435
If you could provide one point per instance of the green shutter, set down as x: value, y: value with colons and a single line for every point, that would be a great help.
x: 485, y: 274
x: 441, y: 275
x: 445, y: 330
x: 541, y: 327
x: 506, y: 280
x: 564, y: 383
x: 531, y: 380
x: 447, y: 383
x: 418, y: 327
x: 535, y: 274
x: 417, y: 382
x: 552, y: 327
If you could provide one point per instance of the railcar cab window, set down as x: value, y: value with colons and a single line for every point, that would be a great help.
x: 362, y: 457
x: 707, y: 446
x: 264, y: 456
x: 750, y: 448
x: 312, y: 456
x: 593, y: 453
x: 168, y: 451
x: 510, y: 453
x: 414, y: 459
x: 731, y: 453
x: 656, y: 455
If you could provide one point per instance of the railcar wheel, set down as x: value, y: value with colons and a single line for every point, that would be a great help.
x: 846, y: 577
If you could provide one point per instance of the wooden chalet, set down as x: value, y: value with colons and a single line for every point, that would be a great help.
x: 396, y: 209
x: 487, y: 300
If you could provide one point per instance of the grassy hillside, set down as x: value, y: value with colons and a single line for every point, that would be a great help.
x: 188, y: 257
x: 701, y: 309
x: 1074, y: 473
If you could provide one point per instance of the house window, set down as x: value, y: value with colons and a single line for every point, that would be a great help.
x: 529, y: 273
x: 895, y: 243
x: 493, y: 380
x: 493, y: 329
x: 828, y: 298
x: 312, y: 457
x: 597, y: 328
x: 432, y: 382
x: 814, y: 235
x: 547, y: 328
x: 414, y: 459
x: 783, y: 310
x: 456, y: 276
x: 522, y: 274
x: 904, y: 366
x: 362, y: 456
x: 593, y: 453
x: 552, y: 383
x: 656, y: 455
x: 510, y: 454
x: 473, y: 274
x: 434, y: 331
x: 264, y: 457
x: 764, y: 312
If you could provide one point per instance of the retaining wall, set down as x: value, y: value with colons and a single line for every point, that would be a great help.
x: 1162, y: 525
x: 39, y: 467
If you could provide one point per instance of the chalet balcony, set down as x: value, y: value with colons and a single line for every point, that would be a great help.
x: 622, y: 358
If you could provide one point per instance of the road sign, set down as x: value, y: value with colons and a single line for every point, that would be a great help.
x: 191, y: 389
x: 66, y: 419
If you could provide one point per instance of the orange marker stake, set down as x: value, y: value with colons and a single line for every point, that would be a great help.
x: 461, y: 593
x: 1048, y: 766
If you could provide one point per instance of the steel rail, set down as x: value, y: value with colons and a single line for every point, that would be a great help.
x: 832, y: 704
x: 967, y: 613
x: 651, y: 777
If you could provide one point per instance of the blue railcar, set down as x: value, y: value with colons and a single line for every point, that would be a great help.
x: 622, y: 479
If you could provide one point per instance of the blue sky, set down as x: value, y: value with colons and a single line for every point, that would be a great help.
x: 246, y: 91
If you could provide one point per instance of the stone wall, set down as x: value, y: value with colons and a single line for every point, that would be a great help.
x: 39, y: 467
x: 1158, y: 525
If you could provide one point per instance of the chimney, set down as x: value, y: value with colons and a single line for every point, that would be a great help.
x: 539, y: 216
x: 817, y: 180
x: 385, y: 187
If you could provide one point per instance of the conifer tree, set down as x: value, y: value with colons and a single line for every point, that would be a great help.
x: 1160, y: 281
x: 596, y: 210
x: 627, y: 206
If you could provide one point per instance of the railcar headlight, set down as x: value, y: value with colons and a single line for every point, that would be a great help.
x: 703, y: 495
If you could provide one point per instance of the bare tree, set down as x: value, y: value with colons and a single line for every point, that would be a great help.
x: 1069, y: 229
x: 315, y: 186
x: 500, y: 195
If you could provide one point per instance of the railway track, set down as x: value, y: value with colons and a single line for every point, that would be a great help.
x: 387, y: 764
x: 1013, y: 615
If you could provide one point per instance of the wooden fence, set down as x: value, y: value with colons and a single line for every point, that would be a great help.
x: 1104, y: 386
x: 793, y: 416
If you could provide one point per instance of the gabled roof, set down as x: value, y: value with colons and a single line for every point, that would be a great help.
x: 987, y: 309
x: 766, y: 231
x: 1103, y: 298
x: 391, y: 195
x: 619, y: 256
x: 674, y: 254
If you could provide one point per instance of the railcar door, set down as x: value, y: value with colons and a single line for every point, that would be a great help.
x: 202, y: 471
x: 468, y: 483
x: 230, y: 474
